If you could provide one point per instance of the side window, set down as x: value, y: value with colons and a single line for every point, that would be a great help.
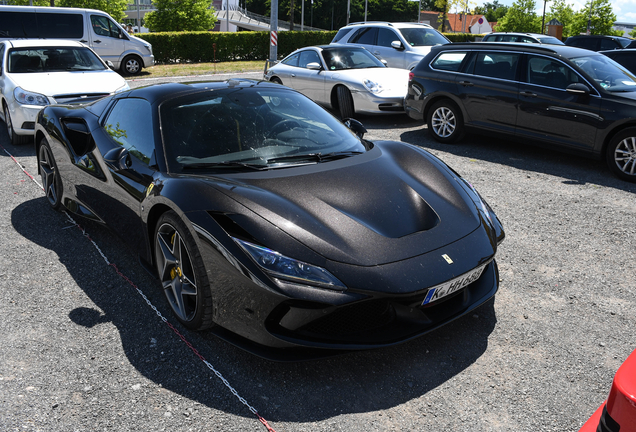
x: 525, y: 39
x: 365, y: 36
x: 386, y: 36
x: 341, y: 33
x: 61, y: 25
x: 3, y: 66
x: 130, y: 125
x: 547, y: 72
x: 292, y: 60
x: 449, y: 61
x: 609, y: 44
x: 102, y: 26
x: 307, y: 57
x: 497, y: 65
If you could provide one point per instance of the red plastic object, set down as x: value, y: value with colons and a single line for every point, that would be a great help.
x: 620, y: 404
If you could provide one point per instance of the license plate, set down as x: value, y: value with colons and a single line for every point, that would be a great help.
x: 447, y: 288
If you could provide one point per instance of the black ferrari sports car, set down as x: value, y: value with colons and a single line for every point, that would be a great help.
x: 264, y: 216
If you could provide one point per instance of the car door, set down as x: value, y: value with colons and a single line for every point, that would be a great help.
x: 310, y: 82
x: 365, y: 37
x: 384, y: 51
x: 548, y: 112
x: 106, y: 38
x: 115, y: 194
x: 489, y: 90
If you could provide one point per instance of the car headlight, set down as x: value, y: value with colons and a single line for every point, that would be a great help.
x: 282, y: 267
x: 29, y: 98
x: 372, y: 86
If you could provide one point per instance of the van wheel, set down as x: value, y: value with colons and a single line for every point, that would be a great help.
x: 131, y: 65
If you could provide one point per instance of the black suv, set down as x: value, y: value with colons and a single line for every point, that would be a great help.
x: 565, y: 97
x: 600, y: 43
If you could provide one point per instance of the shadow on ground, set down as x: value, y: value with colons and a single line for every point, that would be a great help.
x: 295, y: 392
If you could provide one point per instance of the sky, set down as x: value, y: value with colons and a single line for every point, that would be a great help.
x: 625, y: 10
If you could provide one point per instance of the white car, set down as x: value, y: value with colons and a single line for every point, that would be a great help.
x: 40, y: 72
x: 400, y: 45
x: 345, y: 78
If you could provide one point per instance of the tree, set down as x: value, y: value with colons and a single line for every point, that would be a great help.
x: 114, y: 8
x: 181, y: 15
x: 521, y: 17
x: 492, y: 11
x: 443, y: 16
x: 27, y: 3
x: 603, y: 18
x: 563, y: 12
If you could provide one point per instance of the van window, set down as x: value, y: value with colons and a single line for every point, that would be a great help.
x: 102, y: 26
x: 42, y: 25
x: 60, y: 26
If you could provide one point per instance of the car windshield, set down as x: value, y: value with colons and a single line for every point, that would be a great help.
x: 53, y: 59
x: 550, y: 40
x: 350, y: 58
x: 251, y: 128
x: 607, y: 73
x: 421, y: 36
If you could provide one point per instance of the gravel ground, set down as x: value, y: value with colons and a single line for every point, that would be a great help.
x: 81, y: 350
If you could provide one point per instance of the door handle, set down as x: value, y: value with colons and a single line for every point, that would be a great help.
x: 98, y: 41
x: 528, y: 94
x: 83, y: 41
x: 293, y: 75
x: 466, y: 83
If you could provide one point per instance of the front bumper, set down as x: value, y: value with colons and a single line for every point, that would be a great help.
x: 23, y: 118
x: 384, y: 308
x: 366, y: 102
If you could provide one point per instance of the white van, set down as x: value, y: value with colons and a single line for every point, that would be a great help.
x: 94, y: 28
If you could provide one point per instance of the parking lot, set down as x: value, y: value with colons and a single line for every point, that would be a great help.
x: 82, y: 350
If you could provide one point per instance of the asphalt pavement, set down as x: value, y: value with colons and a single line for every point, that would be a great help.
x: 81, y: 349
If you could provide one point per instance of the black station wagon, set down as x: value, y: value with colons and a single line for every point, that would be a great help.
x: 562, y: 97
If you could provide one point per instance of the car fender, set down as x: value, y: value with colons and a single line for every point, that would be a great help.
x: 432, y: 98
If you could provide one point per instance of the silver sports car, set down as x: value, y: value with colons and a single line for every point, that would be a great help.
x: 345, y: 78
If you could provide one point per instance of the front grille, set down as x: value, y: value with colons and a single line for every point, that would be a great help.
x: 391, y: 107
x: 356, y: 318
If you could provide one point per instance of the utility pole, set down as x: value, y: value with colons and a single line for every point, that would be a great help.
x: 291, y: 16
x: 273, y: 45
x: 348, y: 10
x: 589, y: 21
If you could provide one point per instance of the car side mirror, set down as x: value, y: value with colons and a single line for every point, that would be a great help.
x: 118, y: 159
x: 356, y: 127
x: 78, y: 136
x: 314, y: 66
x: 397, y: 45
x: 578, y: 88
x: 384, y: 62
x: 110, y: 64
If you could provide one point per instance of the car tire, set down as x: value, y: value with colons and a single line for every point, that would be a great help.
x: 345, y: 102
x: 276, y: 80
x: 445, y: 121
x: 50, y: 176
x: 182, y: 273
x: 131, y: 65
x: 13, y: 137
x: 621, y: 155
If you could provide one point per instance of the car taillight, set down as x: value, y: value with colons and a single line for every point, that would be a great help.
x: 411, y: 76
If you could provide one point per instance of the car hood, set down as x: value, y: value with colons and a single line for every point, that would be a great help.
x: 389, y: 204
x: 389, y: 78
x: 64, y: 83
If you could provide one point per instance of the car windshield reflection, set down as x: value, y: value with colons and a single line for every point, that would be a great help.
x: 350, y: 58
x: 249, y: 128
x: 607, y: 73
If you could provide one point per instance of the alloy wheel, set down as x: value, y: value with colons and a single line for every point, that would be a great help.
x: 625, y: 156
x: 444, y: 122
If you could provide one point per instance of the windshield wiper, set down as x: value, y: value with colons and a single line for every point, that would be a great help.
x: 224, y: 164
x: 313, y: 157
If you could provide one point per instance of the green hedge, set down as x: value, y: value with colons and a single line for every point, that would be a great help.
x: 197, y: 47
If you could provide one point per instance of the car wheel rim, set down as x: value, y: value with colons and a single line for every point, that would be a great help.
x: 444, y: 122
x: 625, y: 156
x: 132, y: 66
x: 176, y: 272
x: 48, y: 175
